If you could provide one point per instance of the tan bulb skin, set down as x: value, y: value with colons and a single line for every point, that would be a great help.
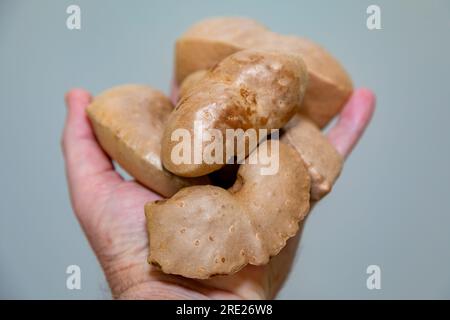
x: 204, y: 231
x: 251, y: 89
x: 324, y: 163
x: 190, y: 81
x: 210, y: 41
x: 128, y: 122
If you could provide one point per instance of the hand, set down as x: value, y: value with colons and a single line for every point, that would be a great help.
x: 111, y: 213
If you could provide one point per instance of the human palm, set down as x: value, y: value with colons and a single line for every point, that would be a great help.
x: 111, y: 212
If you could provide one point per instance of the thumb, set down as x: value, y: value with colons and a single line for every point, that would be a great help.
x: 85, y: 161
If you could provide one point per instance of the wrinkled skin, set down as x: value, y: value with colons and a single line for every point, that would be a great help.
x: 110, y: 211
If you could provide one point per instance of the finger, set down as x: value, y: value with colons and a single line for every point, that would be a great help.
x: 83, y: 156
x: 352, y: 122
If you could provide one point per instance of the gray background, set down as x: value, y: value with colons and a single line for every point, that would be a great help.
x: 390, y: 207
